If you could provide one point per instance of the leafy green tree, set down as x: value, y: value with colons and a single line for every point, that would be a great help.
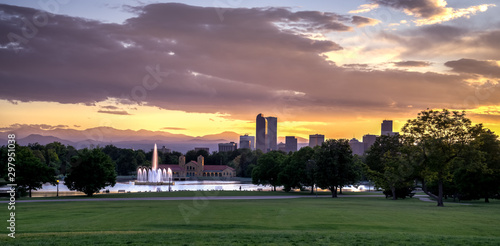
x: 388, y: 166
x: 294, y: 173
x: 91, y: 171
x: 480, y: 180
x: 268, y: 169
x: 438, y: 139
x: 31, y: 173
x: 335, y: 165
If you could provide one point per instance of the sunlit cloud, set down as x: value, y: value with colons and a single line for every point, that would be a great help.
x: 364, y: 8
x: 430, y: 12
x: 450, y: 14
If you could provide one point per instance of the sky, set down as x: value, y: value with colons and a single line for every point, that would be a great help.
x: 336, y: 68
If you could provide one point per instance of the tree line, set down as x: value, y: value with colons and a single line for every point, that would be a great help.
x: 330, y: 166
x: 89, y: 170
x: 440, y: 152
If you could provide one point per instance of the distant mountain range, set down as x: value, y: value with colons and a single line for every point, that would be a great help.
x: 141, y: 139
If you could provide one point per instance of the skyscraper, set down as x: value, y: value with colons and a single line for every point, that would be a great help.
x: 260, y: 133
x: 386, y: 128
x: 316, y: 139
x: 368, y: 141
x: 290, y: 144
x: 272, y: 133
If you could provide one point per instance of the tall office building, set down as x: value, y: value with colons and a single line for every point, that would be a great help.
x: 357, y: 147
x: 272, y: 133
x: 247, y: 142
x: 316, y: 139
x: 368, y: 141
x: 225, y: 147
x: 260, y: 133
x: 386, y: 128
x: 290, y: 144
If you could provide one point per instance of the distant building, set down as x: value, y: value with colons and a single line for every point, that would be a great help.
x: 260, y: 133
x: 290, y: 144
x: 247, y: 142
x: 197, y: 168
x: 272, y: 133
x: 202, y: 148
x: 226, y: 147
x: 358, y: 148
x: 164, y: 150
x: 368, y: 141
x: 316, y: 139
x: 386, y: 128
x: 281, y: 147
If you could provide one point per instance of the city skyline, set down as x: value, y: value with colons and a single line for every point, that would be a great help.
x: 199, y: 68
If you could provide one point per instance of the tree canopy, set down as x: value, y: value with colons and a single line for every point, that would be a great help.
x: 438, y: 140
x: 31, y: 173
x: 388, y: 166
x: 336, y: 167
x: 91, y: 171
x: 268, y: 168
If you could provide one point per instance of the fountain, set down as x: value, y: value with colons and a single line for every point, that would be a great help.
x: 154, y: 175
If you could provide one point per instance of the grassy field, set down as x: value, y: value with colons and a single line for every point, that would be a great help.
x: 302, y: 221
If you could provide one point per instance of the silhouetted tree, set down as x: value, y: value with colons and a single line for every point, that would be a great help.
x: 335, y: 165
x: 91, y: 171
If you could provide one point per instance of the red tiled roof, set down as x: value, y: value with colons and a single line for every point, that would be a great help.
x: 216, y: 167
x: 177, y: 168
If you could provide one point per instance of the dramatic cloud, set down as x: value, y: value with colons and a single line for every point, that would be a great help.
x: 180, y: 57
x: 412, y: 64
x: 361, y: 21
x: 432, y: 11
x: 489, y: 69
x: 428, y: 42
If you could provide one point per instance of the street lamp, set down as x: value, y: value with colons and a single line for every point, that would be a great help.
x: 57, y: 194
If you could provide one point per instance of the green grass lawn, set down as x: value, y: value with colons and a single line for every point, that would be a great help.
x: 194, y: 194
x: 302, y: 221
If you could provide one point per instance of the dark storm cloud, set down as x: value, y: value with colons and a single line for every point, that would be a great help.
x: 412, y: 64
x: 488, y: 69
x: 181, y: 57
